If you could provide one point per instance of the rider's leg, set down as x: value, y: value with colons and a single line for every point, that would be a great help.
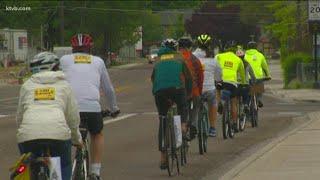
x: 180, y: 99
x: 234, y: 108
x: 95, y: 127
x: 161, y: 100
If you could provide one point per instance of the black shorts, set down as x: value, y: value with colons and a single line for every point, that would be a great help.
x: 93, y: 121
x: 176, y: 95
x: 232, y: 88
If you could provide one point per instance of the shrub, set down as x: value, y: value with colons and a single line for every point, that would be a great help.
x: 289, y: 64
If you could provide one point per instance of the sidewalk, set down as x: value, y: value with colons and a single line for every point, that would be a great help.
x: 296, y: 154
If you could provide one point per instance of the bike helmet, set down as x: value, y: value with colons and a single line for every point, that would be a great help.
x: 81, y: 41
x: 204, y: 40
x: 170, y: 43
x: 44, y: 61
x: 185, y: 42
x: 252, y: 45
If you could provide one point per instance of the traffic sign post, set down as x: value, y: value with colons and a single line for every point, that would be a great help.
x: 314, y: 21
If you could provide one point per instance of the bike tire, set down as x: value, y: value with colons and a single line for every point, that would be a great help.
x: 171, y: 153
x: 183, y: 152
x: 206, y: 133
x: 200, y: 136
x: 225, y: 121
x: 229, y: 122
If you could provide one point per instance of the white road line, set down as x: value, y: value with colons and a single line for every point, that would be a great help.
x: 290, y: 113
x: 6, y: 99
x: 119, y: 118
x: 2, y: 116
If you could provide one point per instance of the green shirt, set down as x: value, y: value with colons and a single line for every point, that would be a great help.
x: 170, y: 71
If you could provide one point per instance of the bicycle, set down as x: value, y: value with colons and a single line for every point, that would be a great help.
x: 168, y: 141
x: 80, y: 167
x: 242, y: 112
x: 203, y: 125
x: 255, y: 88
x: 227, y: 128
x: 34, y: 168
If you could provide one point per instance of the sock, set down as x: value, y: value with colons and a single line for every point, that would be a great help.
x: 95, y: 168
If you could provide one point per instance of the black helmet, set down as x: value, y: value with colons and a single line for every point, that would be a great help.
x: 252, y: 45
x: 185, y: 42
x: 170, y: 43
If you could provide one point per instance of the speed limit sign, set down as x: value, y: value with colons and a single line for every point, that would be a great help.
x: 314, y: 10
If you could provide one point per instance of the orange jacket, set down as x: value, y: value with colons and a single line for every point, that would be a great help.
x: 195, y: 68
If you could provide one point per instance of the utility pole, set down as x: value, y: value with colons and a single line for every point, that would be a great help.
x: 41, y: 37
x: 61, y: 17
x: 299, y: 32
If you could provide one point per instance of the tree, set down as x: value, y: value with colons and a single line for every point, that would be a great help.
x: 222, y: 21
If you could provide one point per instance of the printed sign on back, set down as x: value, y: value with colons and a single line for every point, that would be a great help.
x: 82, y: 59
x: 47, y: 93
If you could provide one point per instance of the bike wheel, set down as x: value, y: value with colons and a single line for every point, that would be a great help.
x: 171, y: 154
x: 200, y: 134
x: 229, y: 122
x: 206, y: 133
x: 225, y: 127
x: 183, y: 152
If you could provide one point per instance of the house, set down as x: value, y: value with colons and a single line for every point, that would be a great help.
x: 13, y: 45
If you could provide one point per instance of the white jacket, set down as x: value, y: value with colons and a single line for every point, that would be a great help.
x: 211, y: 70
x: 47, y: 109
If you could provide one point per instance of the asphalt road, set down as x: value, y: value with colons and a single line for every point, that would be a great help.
x: 131, y: 139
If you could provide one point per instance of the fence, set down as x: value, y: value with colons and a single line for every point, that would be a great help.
x: 306, y: 72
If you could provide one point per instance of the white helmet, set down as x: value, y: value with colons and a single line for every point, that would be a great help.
x: 44, y: 61
x: 170, y: 43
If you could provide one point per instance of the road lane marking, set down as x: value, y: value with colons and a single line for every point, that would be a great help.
x: 2, y: 116
x: 109, y: 121
x: 6, y: 99
x: 290, y: 113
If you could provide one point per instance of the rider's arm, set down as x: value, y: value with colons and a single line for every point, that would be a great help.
x: 188, y: 78
x: 72, y: 116
x: 265, y: 67
x: 242, y: 73
x: 200, y: 75
x: 250, y: 70
x: 217, y: 71
x: 107, y: 88
x: 19, y: 115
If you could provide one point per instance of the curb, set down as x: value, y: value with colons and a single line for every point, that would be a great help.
x: 251, y: 159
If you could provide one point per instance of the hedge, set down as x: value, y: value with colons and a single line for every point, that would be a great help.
x: 289, y: 64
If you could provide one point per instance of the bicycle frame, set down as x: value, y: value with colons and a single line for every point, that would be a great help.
x: 203, y: 126
x: 80, y: 165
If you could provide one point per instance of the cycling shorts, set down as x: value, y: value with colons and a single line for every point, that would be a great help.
x: 230, y: 87
x: 210, y: 96
x: 178, y: 96
x: 93, y: 121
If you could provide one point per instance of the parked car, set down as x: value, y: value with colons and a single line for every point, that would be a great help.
x: 153, y: 54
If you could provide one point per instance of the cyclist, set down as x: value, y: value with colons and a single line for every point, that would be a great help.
x: 259, y: 66
x: 87, y: 74
x: 244, y: 89
x: 212, y: 73
x: 195, y: 68
x: 47, y: 115
x: 171, y: 81
x: 232, y: 70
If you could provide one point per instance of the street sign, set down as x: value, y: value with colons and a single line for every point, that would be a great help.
x: 314, y: 10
